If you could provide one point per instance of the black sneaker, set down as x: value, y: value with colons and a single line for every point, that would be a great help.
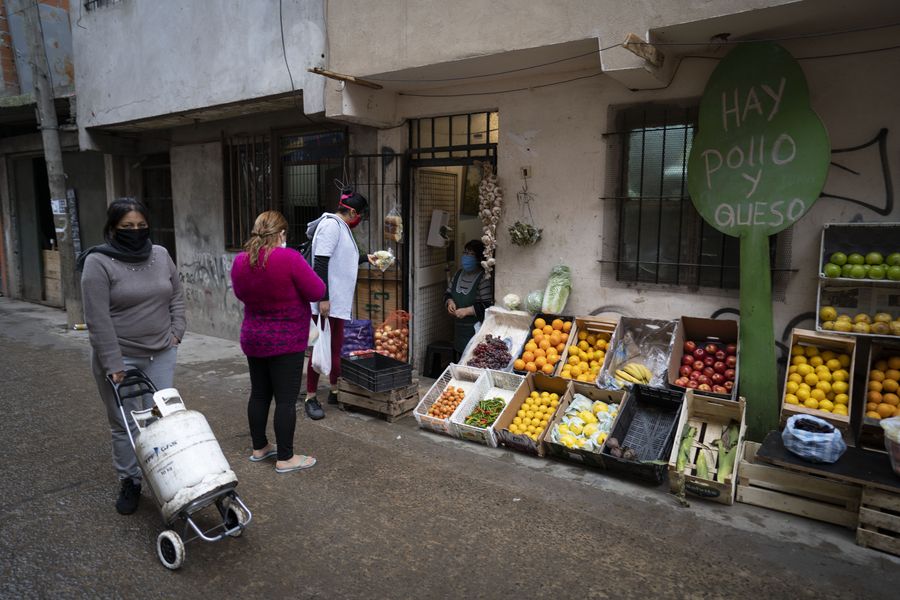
x: 129, y: 495
x: 332, y: 397
x: 314, y: 409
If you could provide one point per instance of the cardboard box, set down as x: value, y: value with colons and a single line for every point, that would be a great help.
x: 535, y: 382
x: 578, y: 455
x: 838, y: 344
x: 593, y: 326
x: 511, y: 326
x: 716, y: 331
x: 652, y: 337
x: 710, y: 416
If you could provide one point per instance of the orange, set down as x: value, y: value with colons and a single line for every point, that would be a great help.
x: 539, y: 323
x: 881, y: 365
x: 564, y: 337
x: 546, y: 344
x: 537, y: 337
x: 567, y: 326
x: 548, y: 329
x: 892, y: 374
x: 557, y: 324
x: 555, y: 339
x: 874, y: 397
x: 876, y: 375
x: 530, y: 367
x: 531, y: 346
x: 540, y: 352
x: 519, y: 365
x: 885, y: 410
x: 539, y: 362
x: 889, y: 385
x: 873, y: 414
x: 870, y: 406
x: 894, y: 362
x: 892, y: 399
x: 875, y: 386
x: 548, y: 369
x: 560, y: 346
x: 528, y: 356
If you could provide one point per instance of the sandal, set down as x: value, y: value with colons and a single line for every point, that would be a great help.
x: 271, y: 453
x: 306, y: 463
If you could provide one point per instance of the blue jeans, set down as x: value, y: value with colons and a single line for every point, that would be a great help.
x: 160, y: 368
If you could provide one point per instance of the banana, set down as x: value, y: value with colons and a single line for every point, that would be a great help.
x: 647, y: 374
x: 627, y: 376
x: 639, y: 372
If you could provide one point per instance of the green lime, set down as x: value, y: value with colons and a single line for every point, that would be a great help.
x: 839, y: 258
x: 893, y: 273
x: 858, y: 272
x: 832, y: 270
x: 877, y: 272
x: 874, y: 258
x: 856, y: 259
x: 893, y: 259
x: 845, y: 270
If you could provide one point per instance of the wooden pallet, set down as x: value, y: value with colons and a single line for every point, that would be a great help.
x: 393, y: 405
x: 796, y: 493
x: 879, y: 521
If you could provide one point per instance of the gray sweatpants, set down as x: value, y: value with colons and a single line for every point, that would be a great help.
x: 160, y: 368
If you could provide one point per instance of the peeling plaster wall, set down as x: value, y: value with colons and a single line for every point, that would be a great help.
x: 203, y: 265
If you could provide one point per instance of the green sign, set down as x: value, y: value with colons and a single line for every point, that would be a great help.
x: 757, y: 164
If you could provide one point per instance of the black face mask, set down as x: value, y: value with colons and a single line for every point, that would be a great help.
x: 131, y: 240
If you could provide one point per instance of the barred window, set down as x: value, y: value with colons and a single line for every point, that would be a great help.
x: 92, y: 4
x: 248, y: 186
x: 661, y: 237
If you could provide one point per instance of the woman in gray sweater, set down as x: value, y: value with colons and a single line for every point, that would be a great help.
x: 134, y: 310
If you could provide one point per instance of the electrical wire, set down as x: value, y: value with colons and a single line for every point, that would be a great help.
x: 287, y: 65
x: 521, y: 89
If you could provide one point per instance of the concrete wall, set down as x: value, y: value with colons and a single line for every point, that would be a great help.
x: 144, y: 58
x: 557, y: 131
x: 203, y: 264
x: 85, y: 173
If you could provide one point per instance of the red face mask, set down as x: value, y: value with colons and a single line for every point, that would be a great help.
x: 355, y: 220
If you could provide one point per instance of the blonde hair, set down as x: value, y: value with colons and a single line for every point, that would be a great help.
x: 264, y: 235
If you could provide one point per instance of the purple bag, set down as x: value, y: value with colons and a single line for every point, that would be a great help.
x: 358, y: 335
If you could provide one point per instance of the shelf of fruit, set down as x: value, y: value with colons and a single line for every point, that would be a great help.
x: 883, y: 390
x: 879, y: 325
x: 818, y: 379
x: 856, y: 268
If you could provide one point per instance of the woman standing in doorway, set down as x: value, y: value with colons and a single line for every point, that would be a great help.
x: 134, y: 310
x: 468, y: 296
x: 276, y: 286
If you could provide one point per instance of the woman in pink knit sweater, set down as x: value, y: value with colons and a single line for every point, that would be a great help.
x: 276, y: 286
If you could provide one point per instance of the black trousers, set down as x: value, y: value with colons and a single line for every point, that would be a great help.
x: 277, y: 376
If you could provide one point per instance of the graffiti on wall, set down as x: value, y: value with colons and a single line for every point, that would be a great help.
x: 861, y: 162
x: 207, y: 288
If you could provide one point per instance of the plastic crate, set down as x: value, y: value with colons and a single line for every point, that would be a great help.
x: 470, y: 379
x: 646, y: 423
x: 376, y: 372
x: 498, y: 384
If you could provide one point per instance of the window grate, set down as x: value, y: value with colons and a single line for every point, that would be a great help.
x: 248, y: 186
x: 92, y: 4
x: 471, y: 135
x: 661, y: 239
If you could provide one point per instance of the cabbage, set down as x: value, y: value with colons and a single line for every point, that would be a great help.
x: 533, y: 301
x: 557, y: 293
x: 511, y: 301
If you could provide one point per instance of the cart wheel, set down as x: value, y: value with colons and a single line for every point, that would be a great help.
x: 170, y: 549
x: 234, y: 515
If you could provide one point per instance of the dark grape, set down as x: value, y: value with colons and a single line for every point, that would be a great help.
x: 492, y: 353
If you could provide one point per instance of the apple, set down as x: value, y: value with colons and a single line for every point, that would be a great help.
x: 704, y: 387
x: 692, y: 384
x: 729, y: 385
x: 690, y: 346
x: 719, y: 389
x: 719, y: 367
x: 729, y: 374
x: 718, y: 378
x: 687, y: 359
x: 721, y: 354
x: 731, y: 349
x: 703, y: 379
x: 695, y: 375
x: 685, y: 370
x: 709, y: 360
x: 698, y: 365
x: 708, y: 371
x: 681, y: 381
x: 731, y: 361
x: 699, y: 353
x: 711, y: 349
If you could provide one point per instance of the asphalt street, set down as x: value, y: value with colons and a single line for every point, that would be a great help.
x: 390, y: 511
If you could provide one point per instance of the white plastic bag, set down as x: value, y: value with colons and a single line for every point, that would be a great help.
x: 321, y: 356
x: 824, y: 447
x: 313, y: 333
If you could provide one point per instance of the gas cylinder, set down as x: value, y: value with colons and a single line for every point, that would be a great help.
x: 179, y: 454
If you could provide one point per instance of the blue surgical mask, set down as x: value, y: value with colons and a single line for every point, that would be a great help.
x: 469, y: 263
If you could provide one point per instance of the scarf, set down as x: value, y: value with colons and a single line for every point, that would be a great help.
x: 118, y: 252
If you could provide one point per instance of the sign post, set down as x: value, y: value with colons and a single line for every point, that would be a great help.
x: 757, y: 165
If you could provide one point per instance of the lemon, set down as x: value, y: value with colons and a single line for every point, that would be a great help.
x: 811, y: 403
x: 797, y: 350
x: 833, y: 364
x: 817, y: 395
x: 529, y: 429
x: 554, y: 403
x: 841, y: 399
x: 582, y: 335
x: 791, y: 399
x: 543, y: 424
x: 554, y: 397
x: 840, y: 387
x: 840, y: 375
x: 826, y: 405
x: 828, y: 354
x: 521, y: 414
x: 792, y: 369
x: 804, y: 370
x: 795, y: 377
x: 803, y: 386
x: 802, y: 394
x: 811, y: 379
x: 517, y: 420
x: 816, y: 361
x: 844, y: 360
x: 824, y: 386
x: 792, y: 386
x: 513, y: 428
x: 562, y: 429
x: 812, y: 351
x: 535, y: 395
x: 529, y: 414
x: 840, y: 409
x: 824, y: 375
x: 545, y: 394
x: 798, y: 360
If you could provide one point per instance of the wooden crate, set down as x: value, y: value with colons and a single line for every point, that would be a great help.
x: 879, y: 521
x: 796, y: 493
x: 51, y: 282
x: 841, y: 345
x: 591, y: 325
x: 871, y: 435
x: 377, y: 294
x: 710, y: 416
x: 392, y: 405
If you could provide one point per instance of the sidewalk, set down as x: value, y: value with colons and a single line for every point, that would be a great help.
x: 389, y: 511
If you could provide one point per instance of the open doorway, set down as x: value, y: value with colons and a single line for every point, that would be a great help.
x: 38, y: 252
x: 444, y: 177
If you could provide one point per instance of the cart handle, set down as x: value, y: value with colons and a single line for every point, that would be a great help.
x: 134, y: 378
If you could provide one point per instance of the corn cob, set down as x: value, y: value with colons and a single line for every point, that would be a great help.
x: 687, y: 440
x: 702, y: 468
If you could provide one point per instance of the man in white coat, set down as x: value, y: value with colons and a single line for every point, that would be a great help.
x: 336, y: 260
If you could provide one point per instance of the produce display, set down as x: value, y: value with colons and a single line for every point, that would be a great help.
x: 585, y: 358
x: 535, y: 414
x: 485, y: 413
x: 557, y: 292
x: 856, y: 266
x: 512, y: 301
x: 490, y: 206
x: 818, y: 379
x: 881, y: 323
x: 446, y: 404
x: 534, y: 300
x: 726, y: 448
x: 633, y: 373
x: 391, y: 341
x: 491, y: 353
x: 585, y: 424
x: 882, y: 395
x: 543, y: 349
x: 708, y: 367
